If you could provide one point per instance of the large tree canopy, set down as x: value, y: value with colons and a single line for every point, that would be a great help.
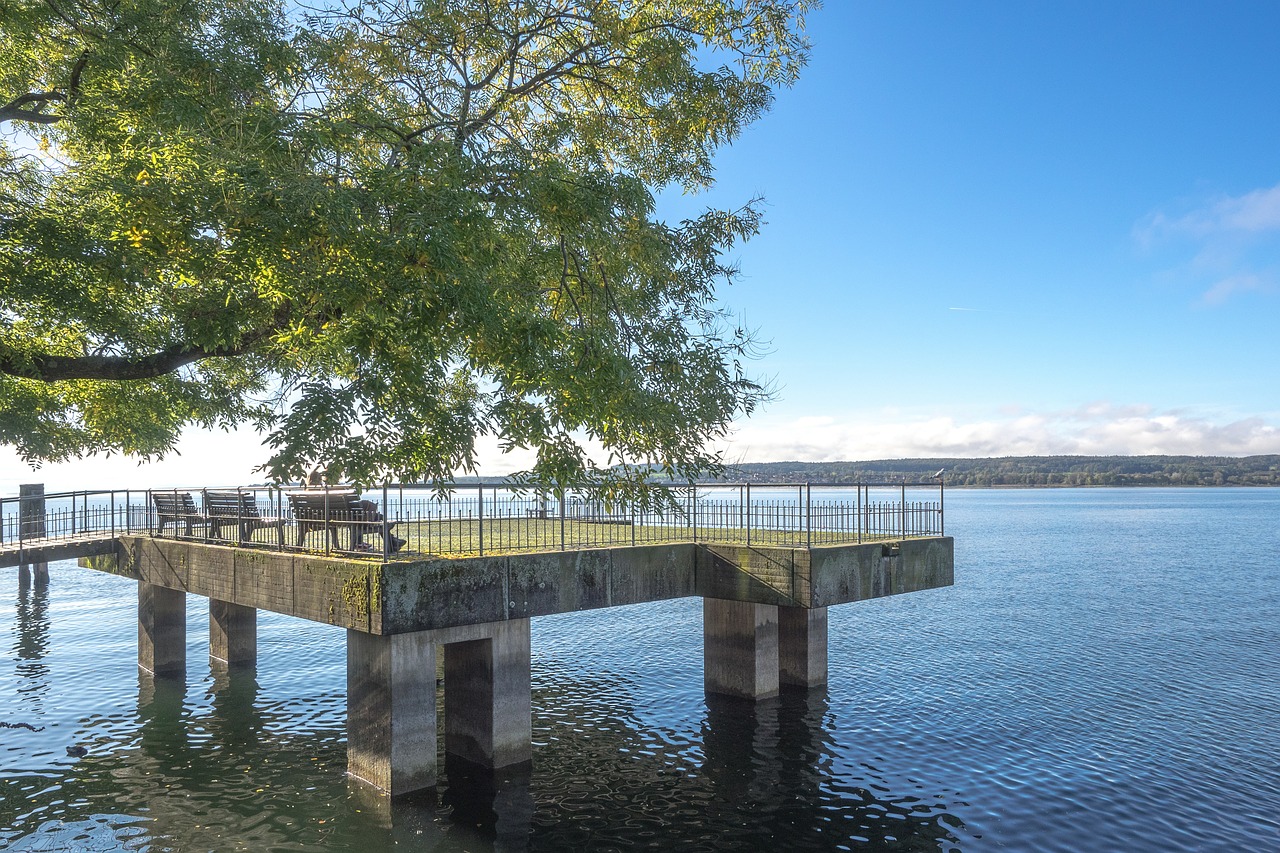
x: 376, y: 230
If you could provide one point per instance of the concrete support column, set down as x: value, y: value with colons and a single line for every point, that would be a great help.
x: 233, y: 633
x: 31, y: 518
x: 162, y: 629
x: 740, y: 648
x: 391, y: 710
x: 802, y: 646
x: 487, y: 696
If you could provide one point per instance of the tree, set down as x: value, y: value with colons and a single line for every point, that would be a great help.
x: 377, y: 230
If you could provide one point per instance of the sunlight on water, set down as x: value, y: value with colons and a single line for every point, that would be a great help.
x: 1103, y: 676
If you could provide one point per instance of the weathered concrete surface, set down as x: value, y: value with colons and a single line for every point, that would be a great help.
x: 740, y: 648
x: 233, y: 633
x: 322, y: 589
x: 487, y: 697
x: 441, y: 593
x: 841, y: 574
x: 802, y: 646
x: 765, y: 575
x: 391, y: 710
x: 391, y: 702
x: 17, y: 554
x: 162, y: 629
x: 435, y: 593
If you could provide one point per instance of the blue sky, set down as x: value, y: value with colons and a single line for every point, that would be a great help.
x: 1004, y: 228
x: 997, y: 229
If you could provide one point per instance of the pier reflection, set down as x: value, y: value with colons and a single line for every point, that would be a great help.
x: 499, y: 803
x: 236, y: 723
x: 31, y: 642
x: 772, y: 765
x: 752, y: 776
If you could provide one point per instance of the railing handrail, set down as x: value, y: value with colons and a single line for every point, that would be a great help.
x: 754, y: 513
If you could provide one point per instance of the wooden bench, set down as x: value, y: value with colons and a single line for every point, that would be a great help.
x: 332, y: 511
x: 232, y: 509
x: 174, y: 507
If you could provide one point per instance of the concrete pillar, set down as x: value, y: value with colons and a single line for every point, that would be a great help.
x: 31, y: 518
x: 802, y: 646
x: 162, y: 629
x: 487, y: 696
x: 391, y: 702
x: 391, y: 710
x: 740, y: 648
x: 233, y: 633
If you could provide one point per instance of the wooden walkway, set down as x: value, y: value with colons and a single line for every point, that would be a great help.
x: 48, y: 550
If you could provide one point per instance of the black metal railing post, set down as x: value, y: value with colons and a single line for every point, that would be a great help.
x: 480, y: 517
x: 386, y: 528
x: 808, y: 515
x: 748, y: 515
x: 693, y: 508
x: 328, y: 522
x: 857, y: 513
x: 903, y: 510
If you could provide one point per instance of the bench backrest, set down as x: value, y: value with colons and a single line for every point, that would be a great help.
x: 174, y: 503
x: 231, y: 504
x: 312, y: 505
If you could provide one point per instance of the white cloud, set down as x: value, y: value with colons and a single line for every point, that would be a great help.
x: 1097, y: 428
x: 1223, y: 289
x: 1094, y: 429
x: 1233, y: 241
x: 203, y: 459
x: 1255, y: 212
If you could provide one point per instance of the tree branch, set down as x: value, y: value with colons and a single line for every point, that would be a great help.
x: 45, y: 367
x: 112, y: 368
x: 29, y: 107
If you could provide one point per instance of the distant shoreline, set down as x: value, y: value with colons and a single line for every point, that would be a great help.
x: 1026, y: 471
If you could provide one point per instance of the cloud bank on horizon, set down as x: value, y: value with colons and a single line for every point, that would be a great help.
x: 1096, y: 430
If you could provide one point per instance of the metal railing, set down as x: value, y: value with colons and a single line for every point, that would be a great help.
x: 486, y: 518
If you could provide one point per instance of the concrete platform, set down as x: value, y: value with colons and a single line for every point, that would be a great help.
x: 401, y: 597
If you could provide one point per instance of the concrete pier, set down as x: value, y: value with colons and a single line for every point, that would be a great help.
x: 487, y: 696
x: 162, y: 629
x: 802, y: 646
x: 391, y: 702
x: 233, y: 634
x: 391, y: 710
x: 750, y: 650
x: 740, y: 648
x: 764, y: 625
x: 31, y: 517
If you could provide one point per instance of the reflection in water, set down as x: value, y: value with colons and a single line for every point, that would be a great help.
x: 771, y: 765
x: 224, y: 762
x: 31, y: 643
x: 499, y: 804
x: 236, y: 723
x: 753, y: 777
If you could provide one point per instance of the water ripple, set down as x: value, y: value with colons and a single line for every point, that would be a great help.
x: 1104, y: 675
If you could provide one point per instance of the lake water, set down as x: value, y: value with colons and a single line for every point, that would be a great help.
x: 1104, y: 675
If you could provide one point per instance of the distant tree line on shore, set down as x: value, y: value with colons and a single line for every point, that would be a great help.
x: 1027, y: 471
